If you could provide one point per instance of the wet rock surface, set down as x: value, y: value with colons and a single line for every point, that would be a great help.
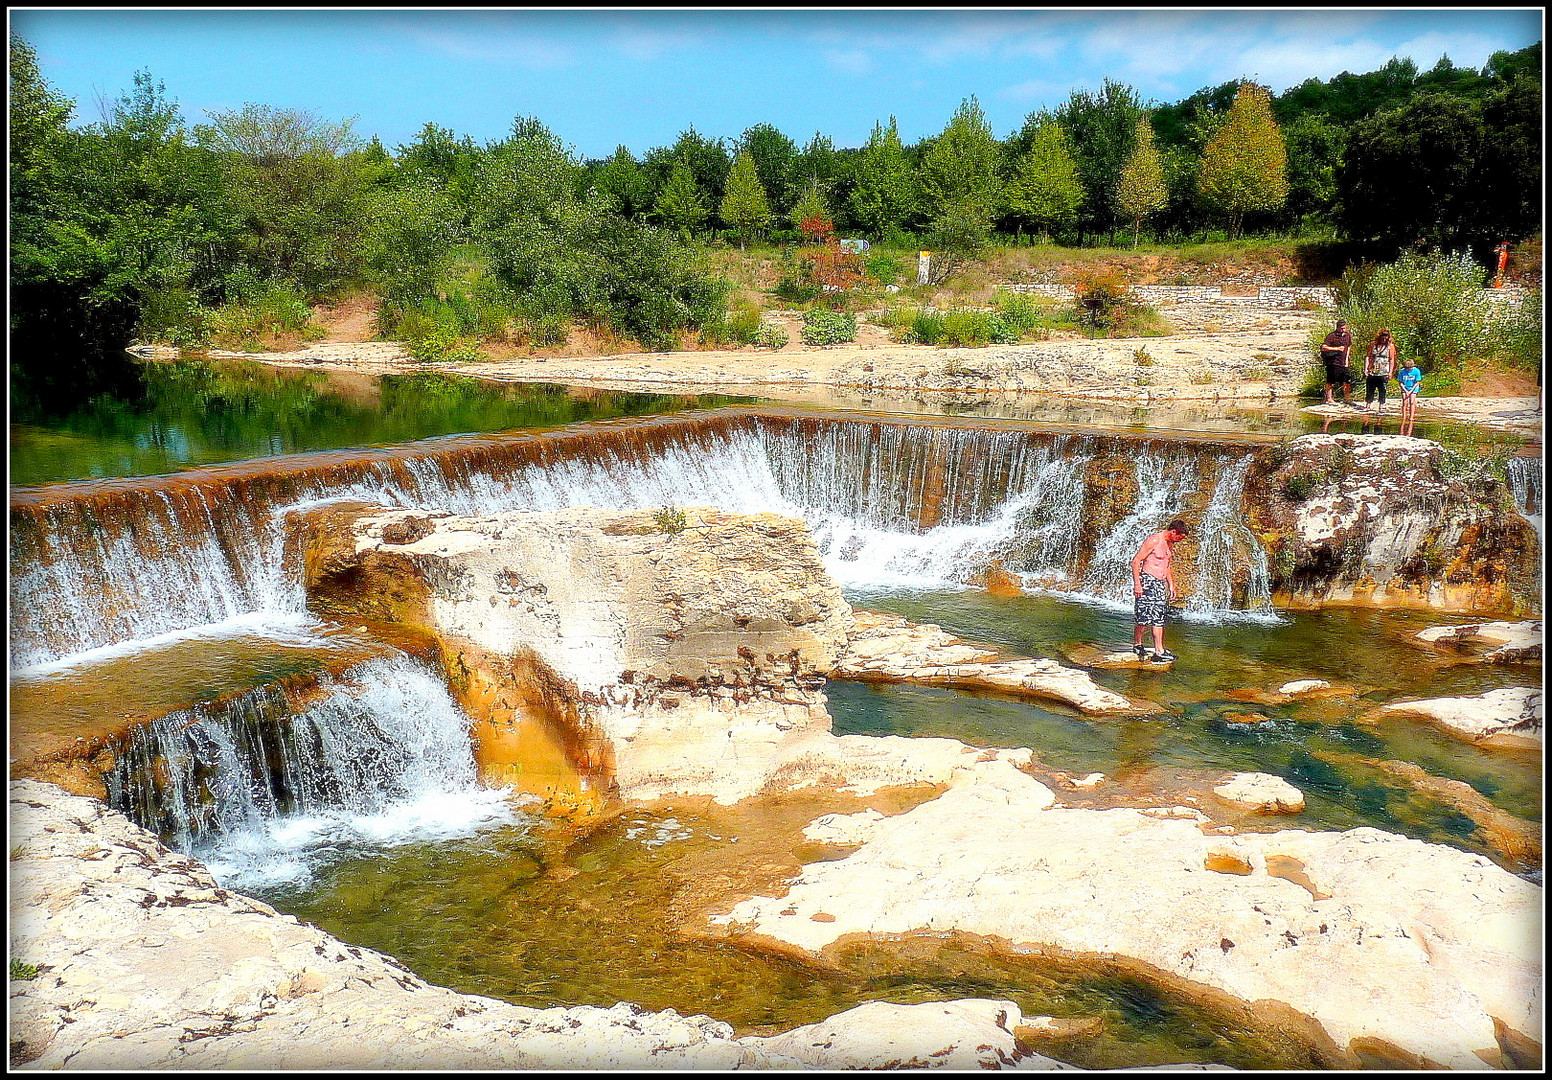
x: 1511, y: 718
x: 1490, y: 642
x: 115, y: 924
x: 1369, y: 519
x: 890, y: 648
x: 1327, y: 924
x: 1261, y: 792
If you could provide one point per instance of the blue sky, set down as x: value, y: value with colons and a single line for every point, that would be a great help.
x: 599, y: 78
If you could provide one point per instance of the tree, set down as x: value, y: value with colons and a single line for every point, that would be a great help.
x: 775, y: 160
x: 1509, y: 172
x: 625, y: 183
x: 299, y: 203
x: 744, y: 205
x: 707, y: 160
x: 811, y: 205
x: 1046, y: 189
x: 883, y: 192
x: 1406, y: 180
x: 681, y: 203
x: 1314, y: 151
x: 1245, y: 165
x: 1101, y: 128
x: 961, y: 171
x: 1142, y: 190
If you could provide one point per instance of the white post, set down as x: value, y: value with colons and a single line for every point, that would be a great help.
x: 923, y: 265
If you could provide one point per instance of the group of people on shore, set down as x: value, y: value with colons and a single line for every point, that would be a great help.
x: 1379, y: 367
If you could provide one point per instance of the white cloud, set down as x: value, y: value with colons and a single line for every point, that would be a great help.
x: 640, y: 43
x: 487, y: 39
x: 850, y: 61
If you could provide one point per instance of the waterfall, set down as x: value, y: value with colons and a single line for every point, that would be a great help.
x: 1525, y: 487
x: 1162, y: 485
x: 1219, y: 534
x: 892, y: 505
x: 262, y: 790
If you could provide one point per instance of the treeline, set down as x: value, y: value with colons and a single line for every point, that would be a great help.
x: 141, y: 223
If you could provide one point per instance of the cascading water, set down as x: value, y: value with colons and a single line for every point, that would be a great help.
x: 1525, y: 487
x: 891, y: 505
x: 1221, y: 533
x: 262, y: 791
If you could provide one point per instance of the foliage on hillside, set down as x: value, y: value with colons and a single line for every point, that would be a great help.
x: 140, y: 225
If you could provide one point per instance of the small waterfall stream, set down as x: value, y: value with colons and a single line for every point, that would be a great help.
x: 261, y: 790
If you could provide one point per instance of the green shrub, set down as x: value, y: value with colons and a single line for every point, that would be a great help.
x: 277, y: 310
x: 1517, y: 334
x: 671, y: 519
x: 443, y: 345
x: 544, y: 330
x: 770, y: 336
x: 821, y: 327
x: 1433, y: 305
x: 173, y: 316
x: 1018, y: 310
x: 22, y: 971
x: 884, y: 269
x: 743, y: 323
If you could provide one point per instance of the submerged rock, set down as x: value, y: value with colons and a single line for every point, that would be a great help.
x: 1510, y: 718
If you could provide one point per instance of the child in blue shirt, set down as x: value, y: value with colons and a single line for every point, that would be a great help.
x: 1411, y: 379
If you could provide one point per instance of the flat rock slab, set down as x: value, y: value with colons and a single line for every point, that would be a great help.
x: 1296, y: 690
x: 1099, y: 656
x: 1511, y: 718
x: 1489, y: 642
x: 890, y: 648
x: 1380, y: 939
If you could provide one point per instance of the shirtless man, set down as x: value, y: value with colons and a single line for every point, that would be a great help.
x: 1153, y: 571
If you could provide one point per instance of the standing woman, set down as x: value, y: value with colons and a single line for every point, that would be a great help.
x: 1379, y: 366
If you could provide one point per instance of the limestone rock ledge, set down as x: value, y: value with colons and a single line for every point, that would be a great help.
x: 1381, y: 944
x: 1370, y: 519
x: 1511, y: 718
x: 1490, y: 642
x: 144, y: 962
x: 891, y: 648
x: 673, y: 658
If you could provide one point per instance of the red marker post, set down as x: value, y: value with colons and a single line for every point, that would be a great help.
x: 1503, y: 264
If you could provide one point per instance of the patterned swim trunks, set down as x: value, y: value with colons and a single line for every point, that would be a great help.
x: 1153, y: 604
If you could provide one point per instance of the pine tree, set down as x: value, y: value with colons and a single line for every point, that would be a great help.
x: 1245, y: 165
x: 1046, y: 189
x: 681, y: 203
x: 744, y: 205
x: 1142, y: 190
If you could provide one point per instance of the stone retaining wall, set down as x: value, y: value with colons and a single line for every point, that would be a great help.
x: 1273, y: 296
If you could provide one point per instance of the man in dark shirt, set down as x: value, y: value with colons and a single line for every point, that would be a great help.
x: 1333, y: 353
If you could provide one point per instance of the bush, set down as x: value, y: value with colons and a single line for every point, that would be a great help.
x: 884, y: 269
x: 442, y: 345
x: 1517, y: 333
x: 957, y: 327
x: 822, y: 327
x: 1105, y: 304
x: 1017, y: 310
x: 273, y: 314
x: 173, y: 316
x: 1434, y: 306
x: 770, y: 336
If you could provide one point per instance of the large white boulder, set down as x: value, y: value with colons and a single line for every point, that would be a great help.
x: 1380, y: 940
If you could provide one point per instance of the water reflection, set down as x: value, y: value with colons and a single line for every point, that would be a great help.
x: 178, y: 414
